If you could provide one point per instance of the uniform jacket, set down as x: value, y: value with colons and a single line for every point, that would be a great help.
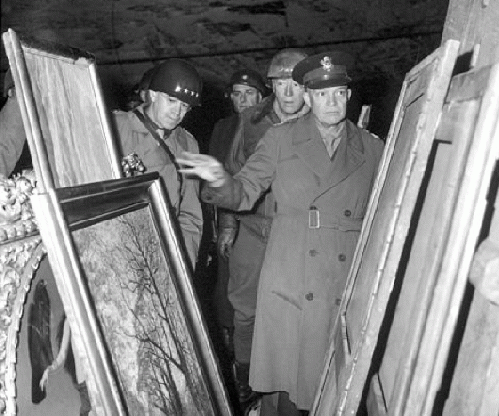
x: 305, y: 269
x: 135, y: 138
x: 12, y: 136
x: 222, y: 135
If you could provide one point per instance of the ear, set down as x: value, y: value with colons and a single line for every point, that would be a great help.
x: 153, y: 95
x: 306, y: 98
x: 273, y: 85
x: 349, y: 94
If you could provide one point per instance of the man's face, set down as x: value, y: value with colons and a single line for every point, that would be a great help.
x: 244, y: 96
x: 289, y: 95
x: 329, y: 105
x: 167, y: 111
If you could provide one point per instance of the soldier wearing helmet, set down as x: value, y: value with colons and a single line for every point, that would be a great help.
x: 246, y: 88
x: 253, y: 227
x: 152, y: 131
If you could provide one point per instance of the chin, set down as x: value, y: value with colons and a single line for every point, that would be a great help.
x: 170, y: 125
x: 290, y: 109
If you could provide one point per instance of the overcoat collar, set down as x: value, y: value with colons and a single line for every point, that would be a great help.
x: 309, y: 146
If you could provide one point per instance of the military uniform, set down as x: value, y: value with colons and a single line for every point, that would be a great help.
x: 305, y: 265
x: 12, y: 136
x: 248, y: 252
x: 134, y: 137
x: 221, y: 140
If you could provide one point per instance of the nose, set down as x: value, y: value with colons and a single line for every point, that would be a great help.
x: 177, y: 109
x: 288, y: 92
x: 243, y: 98
x: 331, y: 99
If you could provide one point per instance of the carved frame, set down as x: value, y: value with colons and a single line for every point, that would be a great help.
x: 21, y: 250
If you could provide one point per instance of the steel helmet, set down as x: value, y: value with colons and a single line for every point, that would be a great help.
x: 178, y: 78
x: 283, y: 62
x: 145, y: 81
x: 250, y: 78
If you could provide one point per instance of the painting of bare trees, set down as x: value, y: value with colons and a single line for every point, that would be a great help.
x: 142, y: 319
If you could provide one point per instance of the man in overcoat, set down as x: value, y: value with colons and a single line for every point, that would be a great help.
x: 152, y: 131
x: 321, y: 168
x: 252, y: 227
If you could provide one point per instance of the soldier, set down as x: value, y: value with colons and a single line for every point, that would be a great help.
x: 152, y: 131
x: 253, y: 227
x: 321, y: 168
x: 12, y: 134
x: 246, y: 89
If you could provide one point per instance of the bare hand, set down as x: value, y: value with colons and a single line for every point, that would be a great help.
x: 44, y: 379
x: 203, y: 166
x: 225, y: 241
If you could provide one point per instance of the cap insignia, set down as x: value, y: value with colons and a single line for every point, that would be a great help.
x: 326, y: 63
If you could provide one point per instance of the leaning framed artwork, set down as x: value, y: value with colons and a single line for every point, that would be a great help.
x: 135, y: 323
x: 65, y: 118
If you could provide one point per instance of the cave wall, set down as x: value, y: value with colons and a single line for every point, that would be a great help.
x: 387, y: 38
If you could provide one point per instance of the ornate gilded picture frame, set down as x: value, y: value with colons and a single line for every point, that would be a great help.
x: 136, y: 329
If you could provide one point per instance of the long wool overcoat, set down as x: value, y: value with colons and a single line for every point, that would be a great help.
x: 320, y: 207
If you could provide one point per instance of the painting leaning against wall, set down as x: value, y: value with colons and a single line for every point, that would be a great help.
x: 136, y: 326
x: 142, y: 318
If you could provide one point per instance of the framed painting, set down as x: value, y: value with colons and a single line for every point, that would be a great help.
x: 419, y: 341
x: 30, y: 312
x: 134, y: 322
x: 66, y: 122
x: 385, y: 228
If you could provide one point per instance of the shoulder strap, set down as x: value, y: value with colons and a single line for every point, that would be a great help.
x: 147, y: 122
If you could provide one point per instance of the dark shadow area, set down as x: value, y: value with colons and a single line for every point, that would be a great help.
x: 200, y: 120
x: 382, y: 94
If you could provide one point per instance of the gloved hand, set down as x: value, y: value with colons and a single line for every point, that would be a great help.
x: 226, y: 237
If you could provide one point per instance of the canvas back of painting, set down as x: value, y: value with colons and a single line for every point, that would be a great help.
x: 67, y: 126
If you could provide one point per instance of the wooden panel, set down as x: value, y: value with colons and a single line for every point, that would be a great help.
x: 385, y: 226
x: 474, y: 24
x: 444, y: 243
x: 65, y: 119
x: 475, y: 382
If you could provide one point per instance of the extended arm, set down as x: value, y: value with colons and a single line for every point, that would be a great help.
x: 241, y: 191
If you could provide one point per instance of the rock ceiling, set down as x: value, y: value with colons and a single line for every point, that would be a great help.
x: 387, y: 37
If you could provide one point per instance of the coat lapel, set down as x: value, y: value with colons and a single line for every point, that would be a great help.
x: 309, y: 147
x: 348, y: 158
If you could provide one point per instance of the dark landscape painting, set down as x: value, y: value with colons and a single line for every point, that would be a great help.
x: 141, y: 316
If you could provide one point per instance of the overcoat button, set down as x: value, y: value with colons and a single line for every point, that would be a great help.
x: 313, y: 253
x: 342, y: 257
x: 309, y: 296
x: 347, y: 213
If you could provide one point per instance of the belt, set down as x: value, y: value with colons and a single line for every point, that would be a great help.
x: 320, y: 219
